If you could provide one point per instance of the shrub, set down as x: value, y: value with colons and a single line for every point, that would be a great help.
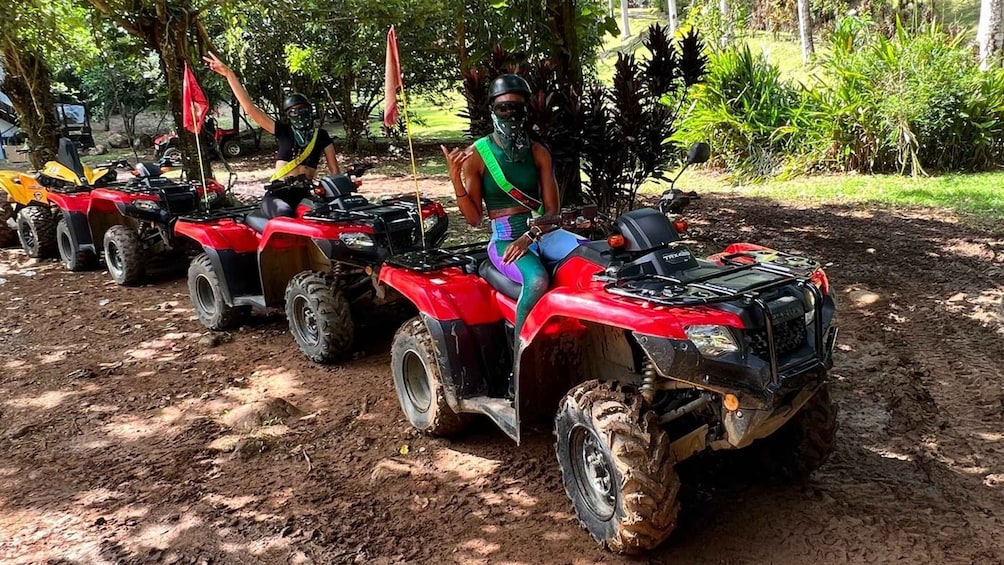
x: 748, y: 114
x: 909, y: 102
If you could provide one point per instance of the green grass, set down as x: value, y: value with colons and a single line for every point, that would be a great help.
x: 976, y: 197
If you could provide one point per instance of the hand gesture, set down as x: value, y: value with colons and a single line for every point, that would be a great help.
x: 517, y: 249
x: 455, y: 160
x: 216, y: 64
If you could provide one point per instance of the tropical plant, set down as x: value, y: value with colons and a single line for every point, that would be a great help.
x: 625, y: 129
x: 748, y: 112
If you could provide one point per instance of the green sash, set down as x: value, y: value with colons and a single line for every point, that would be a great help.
x: 285, y: 170
x: 495, y: 170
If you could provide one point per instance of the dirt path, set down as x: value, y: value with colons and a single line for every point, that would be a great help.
x: 121, y: 436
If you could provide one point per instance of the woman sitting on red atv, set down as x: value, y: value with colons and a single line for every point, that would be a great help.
x: 300, y: 143
x: 513, y: 177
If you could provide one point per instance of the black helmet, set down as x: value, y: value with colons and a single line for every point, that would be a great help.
x: 507, y: 84
x: 294, y: 99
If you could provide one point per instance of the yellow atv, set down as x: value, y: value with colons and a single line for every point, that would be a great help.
x: 29, y: 210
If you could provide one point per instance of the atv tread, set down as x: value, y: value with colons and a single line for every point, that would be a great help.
x: 42, y: 223
x: 444, y: 422
x: 640, y: 450
x: 8, y: 236
x: 336, y: 330
x: 226, y: 316
x: 72, y: 257
x: 130, y: 255
x: 805, y: 442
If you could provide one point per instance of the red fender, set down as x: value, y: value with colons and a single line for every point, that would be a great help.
x: 71, y: 202
x: 445, y: 295
x: 220, y: 235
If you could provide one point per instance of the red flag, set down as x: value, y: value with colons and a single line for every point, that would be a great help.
x: 392, y: 80
x: 196, y: 105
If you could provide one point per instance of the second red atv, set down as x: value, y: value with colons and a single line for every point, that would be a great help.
x: 319, y: 263
x: 646, y: 353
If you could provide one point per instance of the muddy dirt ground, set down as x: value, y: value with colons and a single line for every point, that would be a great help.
x: 128, y: 434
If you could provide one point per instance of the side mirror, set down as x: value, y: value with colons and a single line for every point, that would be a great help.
x: 699, y: 152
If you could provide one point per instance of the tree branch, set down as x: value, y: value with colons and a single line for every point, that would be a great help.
x: 125, y: 24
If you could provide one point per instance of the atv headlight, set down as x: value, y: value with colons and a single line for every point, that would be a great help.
x: 430, y: 223
x: 357, y: 240
x: 712, y: 341
x: 147, y: 205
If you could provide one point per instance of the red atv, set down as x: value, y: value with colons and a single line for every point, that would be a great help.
x: 648, y: 355
x: 134, y: 220
x: 320, y: 263
x: 215, y: 141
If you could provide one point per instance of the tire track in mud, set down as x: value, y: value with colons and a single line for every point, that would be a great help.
x: 938, y: 372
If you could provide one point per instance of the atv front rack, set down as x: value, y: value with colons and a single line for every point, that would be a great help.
x: 428, y: 260
x: 699, y: 291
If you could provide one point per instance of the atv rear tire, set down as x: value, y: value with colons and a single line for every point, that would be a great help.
x: 418, y: 381
x: 804, y: 443
x: 124, y: 255
x: 8, y: 236
x: 36, y: 228
x: 70, y: 254
x: 207, y: 297
x: 617, y: 467
x: 319, y: 317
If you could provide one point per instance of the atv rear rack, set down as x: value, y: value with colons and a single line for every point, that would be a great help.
x: 428, y: 260
x: 235, y: 213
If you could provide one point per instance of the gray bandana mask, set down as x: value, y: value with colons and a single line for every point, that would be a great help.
x: 512, y: 136
x: 303, y: 128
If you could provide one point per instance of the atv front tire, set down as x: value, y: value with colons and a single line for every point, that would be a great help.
x: 36, y: 228
x: 8, y: 236
x: 418, y: 381
x: 70, y: 254
x: 124, y: 255
x: 207, y: 296
x: 804, y: 443
x: 617, y: 467
x: 231, y: 148
x: 319, y: 317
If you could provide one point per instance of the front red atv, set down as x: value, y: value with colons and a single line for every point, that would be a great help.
x: 647, y: 354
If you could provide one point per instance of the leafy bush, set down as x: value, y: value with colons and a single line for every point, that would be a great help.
x: 909, y: 102
x: 748, y: 114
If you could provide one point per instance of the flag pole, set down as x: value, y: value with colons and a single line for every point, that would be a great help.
x: 198, y: 149
x: 414, y: 168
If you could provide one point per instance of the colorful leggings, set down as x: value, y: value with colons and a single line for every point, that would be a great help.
x: 529, y: 270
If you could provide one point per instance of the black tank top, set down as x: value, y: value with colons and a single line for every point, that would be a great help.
x: 288, y: 149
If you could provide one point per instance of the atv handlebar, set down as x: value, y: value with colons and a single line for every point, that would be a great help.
x: 577, y: 218
x: 358, y: 168
x: 674, y: 200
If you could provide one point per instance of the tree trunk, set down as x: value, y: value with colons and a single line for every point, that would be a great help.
x: 728, y: 31
x: 566, y: 54
x: 805, y: 31
x: 28, y: 84
x: 625, y: 25
x: 610, y: 8
x: 674, y: 18
x: 991, y: 32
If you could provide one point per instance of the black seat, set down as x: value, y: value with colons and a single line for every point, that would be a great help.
x: 498, y: 281
x: 67, y: 156
x: 256, y: 220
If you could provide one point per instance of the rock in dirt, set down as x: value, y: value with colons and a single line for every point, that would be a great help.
x: 300, y: 558
x: 389, y: 469
x: 118, y: 140
x: 214, y: 339
x: 263, y: 412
